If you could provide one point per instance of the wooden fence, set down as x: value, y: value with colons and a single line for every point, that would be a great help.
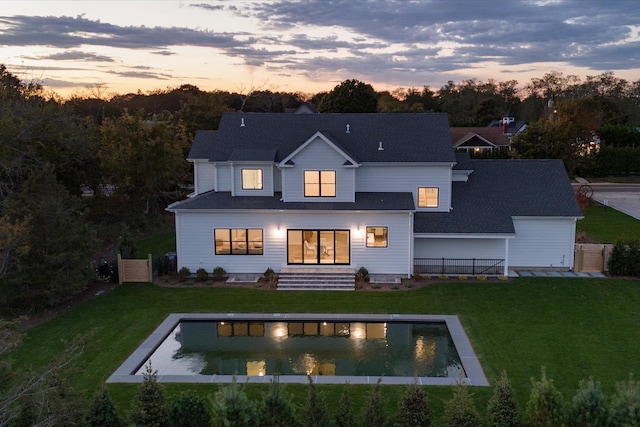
x: 135, y: 270
x: 592, y: 257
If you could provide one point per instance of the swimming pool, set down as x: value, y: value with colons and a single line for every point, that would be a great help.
x: 331, y: 348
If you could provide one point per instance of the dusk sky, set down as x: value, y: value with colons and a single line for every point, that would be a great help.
x: 311, y: 46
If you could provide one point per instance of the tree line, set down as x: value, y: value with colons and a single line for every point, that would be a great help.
x: 76, y: 173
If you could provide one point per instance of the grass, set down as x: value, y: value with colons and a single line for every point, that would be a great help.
x: 576, y: 328
x: 607, y: 225
x: 157, y: 246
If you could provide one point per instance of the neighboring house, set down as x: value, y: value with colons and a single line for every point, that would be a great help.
x: 478, y: 139
x: 383, y: 191
x: 509, y: 125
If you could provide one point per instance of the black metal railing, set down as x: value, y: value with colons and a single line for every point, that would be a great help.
x: 460, y: 266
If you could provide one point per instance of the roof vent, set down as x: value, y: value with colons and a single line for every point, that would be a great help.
x: 348, y: 128
x: 380, y: 147
x: 242, y: 122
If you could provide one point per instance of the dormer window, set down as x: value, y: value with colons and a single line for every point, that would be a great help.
x: 319, y: 183
x: 428, y: 197
x: 252, y: 179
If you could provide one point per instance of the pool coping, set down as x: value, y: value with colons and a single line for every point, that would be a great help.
x: 471, y: 365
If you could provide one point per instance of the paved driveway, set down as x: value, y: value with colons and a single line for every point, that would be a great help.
x: 622, y: 197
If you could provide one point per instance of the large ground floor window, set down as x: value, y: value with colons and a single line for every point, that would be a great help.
x: 318, y: 246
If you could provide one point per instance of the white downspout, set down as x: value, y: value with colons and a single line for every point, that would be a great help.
x: 506, y: 257
x: 233, y: 181
x: 411, y: 244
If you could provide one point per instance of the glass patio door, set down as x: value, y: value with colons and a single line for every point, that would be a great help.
x: 313, y: 247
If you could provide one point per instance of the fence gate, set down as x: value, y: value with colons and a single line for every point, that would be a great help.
x: 592, y: 257
x: 135, y: 270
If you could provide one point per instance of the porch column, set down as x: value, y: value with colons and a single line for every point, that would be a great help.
x: 506, y: 257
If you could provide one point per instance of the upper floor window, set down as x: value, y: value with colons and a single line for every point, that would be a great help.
x: 252, y: 179
x: 377, y: 237
x: 319, y: 183
x: 428, y: 197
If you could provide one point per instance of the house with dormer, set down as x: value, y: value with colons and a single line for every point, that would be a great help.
x: 383, y: 191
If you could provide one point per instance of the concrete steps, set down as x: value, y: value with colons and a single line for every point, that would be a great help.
x: 316, y: 279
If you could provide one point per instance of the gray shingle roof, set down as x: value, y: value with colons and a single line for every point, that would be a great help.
x: 201, y: 146
x: 499, y: 190
x: 363, y: 202
x: 421, y: 137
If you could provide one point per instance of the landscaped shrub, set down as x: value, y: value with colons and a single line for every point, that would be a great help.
x: 625, y: 403
x: 461, y: 411
x: 362, y: 275
x: 545, y: 404
x: 414, y: 409
x: 344, y: 416
x: 589, y: 406
x: 277, y: 409
x: 625, y: 259
x: 202, y: 275
x: 149, y: 405
x: 315, y: 413
x: 219, y: 272
x: 502, y: 408
x: 102, y: 412
x: 189, y: 410
x: 184, y: 274
x: 374, y: 412
x: 269, y: 273
x: 232, y: 407
x: 127, y: 245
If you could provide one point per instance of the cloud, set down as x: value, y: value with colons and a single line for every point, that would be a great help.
x: 73, y: 55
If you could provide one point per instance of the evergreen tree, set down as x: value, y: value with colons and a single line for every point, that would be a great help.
x: 189, y: 410
x: 149, y: 406
x: 545, y: 405
x: 315, y: 413
x: 625, y: 404
x: 102, y: 412
x: 414, y: 409
x: 344, y: 417
x: 589, y: 406
x: 277, y: 408
x: 461, y: 411
x: 232, y: 407
x: 374, y: 413
x: 502, y: 408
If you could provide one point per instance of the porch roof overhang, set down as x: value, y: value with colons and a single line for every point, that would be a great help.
x: 224, y: 201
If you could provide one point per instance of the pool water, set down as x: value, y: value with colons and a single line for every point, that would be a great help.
x: 308, y: 347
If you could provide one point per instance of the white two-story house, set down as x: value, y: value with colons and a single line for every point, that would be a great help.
x: 383, y: 191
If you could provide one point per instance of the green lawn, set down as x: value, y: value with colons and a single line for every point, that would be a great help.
x: 576, y: 328
x: 607, y: 225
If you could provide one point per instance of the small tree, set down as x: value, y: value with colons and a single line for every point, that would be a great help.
x: 589, y: 406
x: 460, y: 411
x: 414, y: 409
x: 315, y: 413
x: 344, y: 416
x: 189, y: 410
x: 374, y: 412
x: 625, y: 403
x: 102, y: 412
x: 127, y: 245
x: 277, y: 408
x: 232, y: 407
x: 149, y: 406
x: 545, y: 405
x: 502, y: 408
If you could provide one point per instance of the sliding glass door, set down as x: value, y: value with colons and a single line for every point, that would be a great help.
x: 313, y: 247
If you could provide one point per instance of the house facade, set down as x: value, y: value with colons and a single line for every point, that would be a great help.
x: 383, y: 191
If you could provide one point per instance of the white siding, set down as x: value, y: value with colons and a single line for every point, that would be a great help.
x: 196, y: 242
x: 407, y: 178
x: 318, y: 155
x: 543, y: 243
x: 267, y: 179
x: 205, y: 176
x: 459, y: 248
x: 223, y: 175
